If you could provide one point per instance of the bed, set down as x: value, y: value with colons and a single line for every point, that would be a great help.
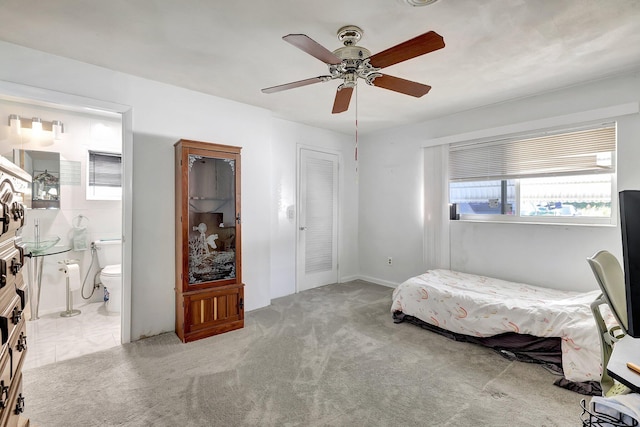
x: 479, y: 307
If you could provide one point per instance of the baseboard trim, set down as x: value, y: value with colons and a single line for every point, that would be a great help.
x: 351, y: 278
x: 372, y: 280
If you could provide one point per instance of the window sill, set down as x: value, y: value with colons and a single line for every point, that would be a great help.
x: 604, y: 222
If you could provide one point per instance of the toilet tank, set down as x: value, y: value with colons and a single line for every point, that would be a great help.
x: 109, y: 252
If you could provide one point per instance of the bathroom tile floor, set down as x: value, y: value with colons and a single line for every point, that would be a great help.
x: 53, y: 338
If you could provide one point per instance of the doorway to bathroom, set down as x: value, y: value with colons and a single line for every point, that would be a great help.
x: 75, y: 313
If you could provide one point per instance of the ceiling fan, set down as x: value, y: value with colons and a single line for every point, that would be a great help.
x: 351, y: 62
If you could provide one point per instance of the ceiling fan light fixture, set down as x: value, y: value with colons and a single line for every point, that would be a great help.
x: 415, y: 3
x: 349, y: 80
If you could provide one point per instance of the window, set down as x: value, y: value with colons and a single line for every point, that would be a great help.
x: 558, y: 177
x: 104, y: 176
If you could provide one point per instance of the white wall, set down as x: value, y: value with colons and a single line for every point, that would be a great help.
x: 83, y: 132
x: 391, y: 208
x: 162, y: 114
x: 391, y: 190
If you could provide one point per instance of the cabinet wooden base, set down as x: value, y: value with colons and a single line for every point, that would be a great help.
x: 209, y: 312
x: 206, y: 333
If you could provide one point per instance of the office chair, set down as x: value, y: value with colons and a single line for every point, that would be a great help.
x: 610, y: 278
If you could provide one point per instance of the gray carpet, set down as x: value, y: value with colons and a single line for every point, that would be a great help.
x: 331, y: 356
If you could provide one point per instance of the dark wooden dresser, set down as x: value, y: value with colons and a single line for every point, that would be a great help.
x: 14, y: 184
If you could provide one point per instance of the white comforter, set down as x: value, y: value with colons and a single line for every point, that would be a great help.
x: 482, y: 306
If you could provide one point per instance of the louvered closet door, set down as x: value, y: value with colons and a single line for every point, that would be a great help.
x: 317, y: 255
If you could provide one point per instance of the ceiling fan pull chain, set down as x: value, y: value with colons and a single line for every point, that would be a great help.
x: 356, y: 147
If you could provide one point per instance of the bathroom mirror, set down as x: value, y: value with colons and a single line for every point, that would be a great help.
x: 44, y: 168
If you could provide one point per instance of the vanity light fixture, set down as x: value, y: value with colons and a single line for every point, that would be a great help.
x: 36, y: 124
x: 57, y: 128
x: 14, y: 124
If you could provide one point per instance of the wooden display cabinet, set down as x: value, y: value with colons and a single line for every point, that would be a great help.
x: 209, y: 288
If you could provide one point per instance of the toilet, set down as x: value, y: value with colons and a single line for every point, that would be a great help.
x: 109, y: 259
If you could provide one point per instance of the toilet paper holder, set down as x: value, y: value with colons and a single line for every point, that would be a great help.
x: 70, y: 312
x: 68, y: 262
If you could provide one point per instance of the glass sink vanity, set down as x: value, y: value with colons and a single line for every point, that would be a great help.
x: 35, y: 273
x: 44, y: 168
x: 39, y: 246
x: 36, y: 249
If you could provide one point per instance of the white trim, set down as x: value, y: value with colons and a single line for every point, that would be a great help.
x: 338, y: 154
x: 346, y: 279
x: 546, y: 123
x: 564, y: 221
x: 436, y: 240
x: 127, y: 223
x: 34, y: 95
x: 377, y: 281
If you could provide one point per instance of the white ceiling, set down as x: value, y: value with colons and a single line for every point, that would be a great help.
x: 495, y: 49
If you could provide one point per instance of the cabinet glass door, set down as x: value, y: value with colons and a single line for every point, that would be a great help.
x: 212, y: 219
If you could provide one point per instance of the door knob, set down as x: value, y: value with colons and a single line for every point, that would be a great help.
x: 303, y: 228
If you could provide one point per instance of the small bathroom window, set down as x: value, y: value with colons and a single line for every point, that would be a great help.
x: 104, y: 176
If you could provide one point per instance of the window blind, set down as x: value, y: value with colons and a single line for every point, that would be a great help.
x: 105, y: 169
x: 586, y: 151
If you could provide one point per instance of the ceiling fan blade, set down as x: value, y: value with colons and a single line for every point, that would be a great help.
x: 299, y: 83
x: 312, y: 47
x: 427, y: 42
x: 397, y: 84
x: 343, y: 98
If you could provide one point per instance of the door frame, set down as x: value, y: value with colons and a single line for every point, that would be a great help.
x: 340, y: 177
x: 54, y: 99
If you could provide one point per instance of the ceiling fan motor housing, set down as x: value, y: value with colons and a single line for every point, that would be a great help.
x: 355, y: 63
x: 352, y: 52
